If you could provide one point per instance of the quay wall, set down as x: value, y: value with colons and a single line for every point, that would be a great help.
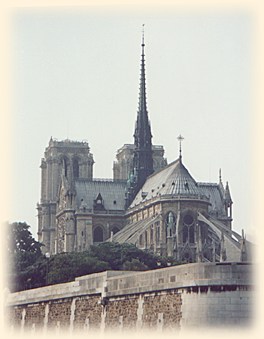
x: 173, y: 298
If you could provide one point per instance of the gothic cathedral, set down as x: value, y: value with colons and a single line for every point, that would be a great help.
x: 154, y: 205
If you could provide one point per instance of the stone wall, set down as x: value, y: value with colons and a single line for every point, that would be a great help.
x: 192, y: 295
x: 216, y: 307
x: 87, y: 312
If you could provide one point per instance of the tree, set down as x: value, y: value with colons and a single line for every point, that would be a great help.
x: 23, y: 252
x: 31, y: 269
x: 117, y: 255
x: 108, y: 252
x: 134, y: 265
x: 65, y: 267
x: 20, y: 239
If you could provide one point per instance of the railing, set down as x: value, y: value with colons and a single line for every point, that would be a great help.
x: 104, y: 212
x: 174, y: 197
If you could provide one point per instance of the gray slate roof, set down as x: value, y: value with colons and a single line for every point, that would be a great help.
x: 213, y: 192
x: 172, y: 180
x: 112, y: 192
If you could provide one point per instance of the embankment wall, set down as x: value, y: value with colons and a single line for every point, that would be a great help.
x: 185, y: 296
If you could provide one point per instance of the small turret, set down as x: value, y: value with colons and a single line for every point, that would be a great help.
x: 221, y: 186
x: 228, y: 201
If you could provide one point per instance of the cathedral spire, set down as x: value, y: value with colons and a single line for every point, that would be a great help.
x: 142, y: 160
x: 142, y: 107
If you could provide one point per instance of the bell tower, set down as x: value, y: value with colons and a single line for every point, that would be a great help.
x: 70, y: 159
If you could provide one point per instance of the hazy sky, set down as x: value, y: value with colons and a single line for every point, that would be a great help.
x: 76, y: 76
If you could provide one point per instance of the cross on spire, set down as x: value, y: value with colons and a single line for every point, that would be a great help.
x: 143, y: 33
x: 180, y: 139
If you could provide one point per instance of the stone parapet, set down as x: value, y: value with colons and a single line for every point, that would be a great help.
x: 120, y: 283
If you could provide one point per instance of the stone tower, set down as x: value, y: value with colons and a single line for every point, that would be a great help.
x: 123, y: 166
x: 69, y: 159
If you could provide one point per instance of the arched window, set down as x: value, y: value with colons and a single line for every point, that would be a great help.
x: 141, y: 240
x: 188, y: 229
x: 75, y: 168
x: 188, y: 219
x: 98, y: 234
x: 115, y: 230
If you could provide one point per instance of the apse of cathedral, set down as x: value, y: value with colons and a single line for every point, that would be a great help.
x: 156, y: 206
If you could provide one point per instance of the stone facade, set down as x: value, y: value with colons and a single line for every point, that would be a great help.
x: 179, y: 297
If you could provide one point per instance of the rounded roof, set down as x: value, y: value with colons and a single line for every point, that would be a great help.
x: 174, y: 180
x: 181, y: 182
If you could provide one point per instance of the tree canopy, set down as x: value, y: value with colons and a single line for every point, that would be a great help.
x: 31, y: 269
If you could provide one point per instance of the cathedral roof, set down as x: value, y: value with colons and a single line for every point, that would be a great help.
x: 112, y: 193
x: 214, y: 192
x: 174, y: 180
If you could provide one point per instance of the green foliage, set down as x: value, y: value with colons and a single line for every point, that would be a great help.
x: 134, y: 265
x: 65, y: 267
x: 20, y: 239
x: 117, y: 255
x: 24, y: 254
x: 31, y: 269
x: 107, y: 252
x: 30, y: 276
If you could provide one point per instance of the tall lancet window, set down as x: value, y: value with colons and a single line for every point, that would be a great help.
x: 65, y: 166
x: 188, y: 229
x: 75, y: 168
x: 98, y: 234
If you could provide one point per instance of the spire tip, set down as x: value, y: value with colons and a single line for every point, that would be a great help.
x: 180, y: 138
x: 143, y: 35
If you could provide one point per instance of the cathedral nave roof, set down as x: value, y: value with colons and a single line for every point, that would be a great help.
x: 112, y: 193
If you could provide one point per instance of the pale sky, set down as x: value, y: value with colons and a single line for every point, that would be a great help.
x: 76, y: 76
